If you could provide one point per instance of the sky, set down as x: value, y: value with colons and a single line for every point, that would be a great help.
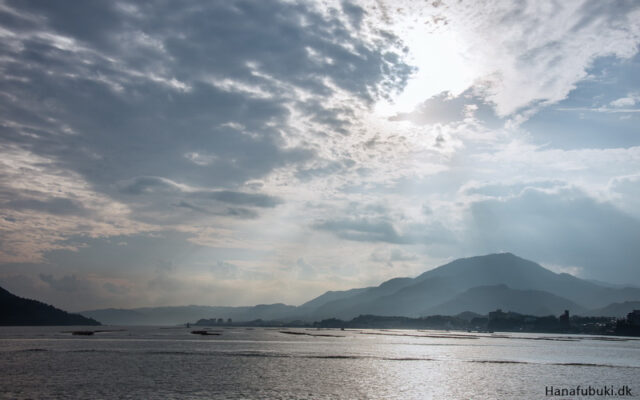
x: 243, y: 152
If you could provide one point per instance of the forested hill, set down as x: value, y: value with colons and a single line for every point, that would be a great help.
x: 15, y: 310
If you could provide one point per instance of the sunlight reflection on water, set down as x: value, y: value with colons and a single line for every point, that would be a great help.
x: 265, y: 363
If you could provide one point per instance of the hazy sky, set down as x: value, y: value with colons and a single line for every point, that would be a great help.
x: 243, y: 152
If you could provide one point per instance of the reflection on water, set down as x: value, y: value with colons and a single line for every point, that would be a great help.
x: 143, y: 362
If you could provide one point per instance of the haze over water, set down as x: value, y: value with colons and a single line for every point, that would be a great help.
x: 164, y: 363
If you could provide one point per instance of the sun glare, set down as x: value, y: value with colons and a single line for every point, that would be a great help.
x: 442, y: 65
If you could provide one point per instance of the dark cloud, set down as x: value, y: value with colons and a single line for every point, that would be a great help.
x: 229, y: 211
x: 381, y: 229
x: 94, y: 21
x: 124, y: 92
x: 240, y: 198
x: 189, y: 206
x: 153, y: 185
x: 239, y: 212
x: 148, y: 184
x: 54, y: 205
x: 355, y: 13
x: 363, y: 230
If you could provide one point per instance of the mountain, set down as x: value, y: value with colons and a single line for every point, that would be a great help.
x: 15, y: 310
x: 618, y: 310
x: 331, y: 296
x: 363, y: 302
x: 518, y: 273
x: 478, y: 284
x: 411, y: 297
x: 613, y: 285
x: 182, y: 314
x: 483, y: 299
x: 115, y: 316
x: 391, y: 298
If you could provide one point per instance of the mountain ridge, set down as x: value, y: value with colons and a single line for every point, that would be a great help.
x: 484, y: 299
x: 18, y: 311
x: 413, y: 297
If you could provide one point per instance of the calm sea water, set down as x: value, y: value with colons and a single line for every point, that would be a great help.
x: 244, y: 363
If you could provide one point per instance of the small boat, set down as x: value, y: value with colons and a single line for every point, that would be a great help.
x: 83, y: 333
x: 205, y: 333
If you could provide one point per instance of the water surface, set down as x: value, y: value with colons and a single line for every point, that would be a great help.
x: 263, y: 363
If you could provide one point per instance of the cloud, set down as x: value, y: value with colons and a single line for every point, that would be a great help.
x: 305, y: 271
x: 207, y: 151
x: 43, y: 204
x: 225, y: 270
x: 54, y: 205
x: 625, y: 193
x: 630, y: 100
x: 240, y: 198
x: 150, y: 184
x: 543, y: 58
x: 145, y: 110
x: 363, y: 230
x: 515, y: 56
x: 382, y: 229
x: 116, y: 289
x: 564, y: 228
x: 153, y: 186
x: 616, y: 109
x: 166, y: 283
x: 354, y: 12
x: 67, y: 283
x: 133, y: 66
x: 229, y: 211
x: 447, y: 108
x: 505, y: 190
x: 393, y: 256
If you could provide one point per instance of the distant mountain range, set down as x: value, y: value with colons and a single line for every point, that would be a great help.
x: 182, y: 314
x: 617, y: 310
x: 476, y: 284
x: 15, y: 310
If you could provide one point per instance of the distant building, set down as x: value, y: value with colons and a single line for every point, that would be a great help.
x: 497, y: 314
x: 564, y: 320
x: 633, y: 318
